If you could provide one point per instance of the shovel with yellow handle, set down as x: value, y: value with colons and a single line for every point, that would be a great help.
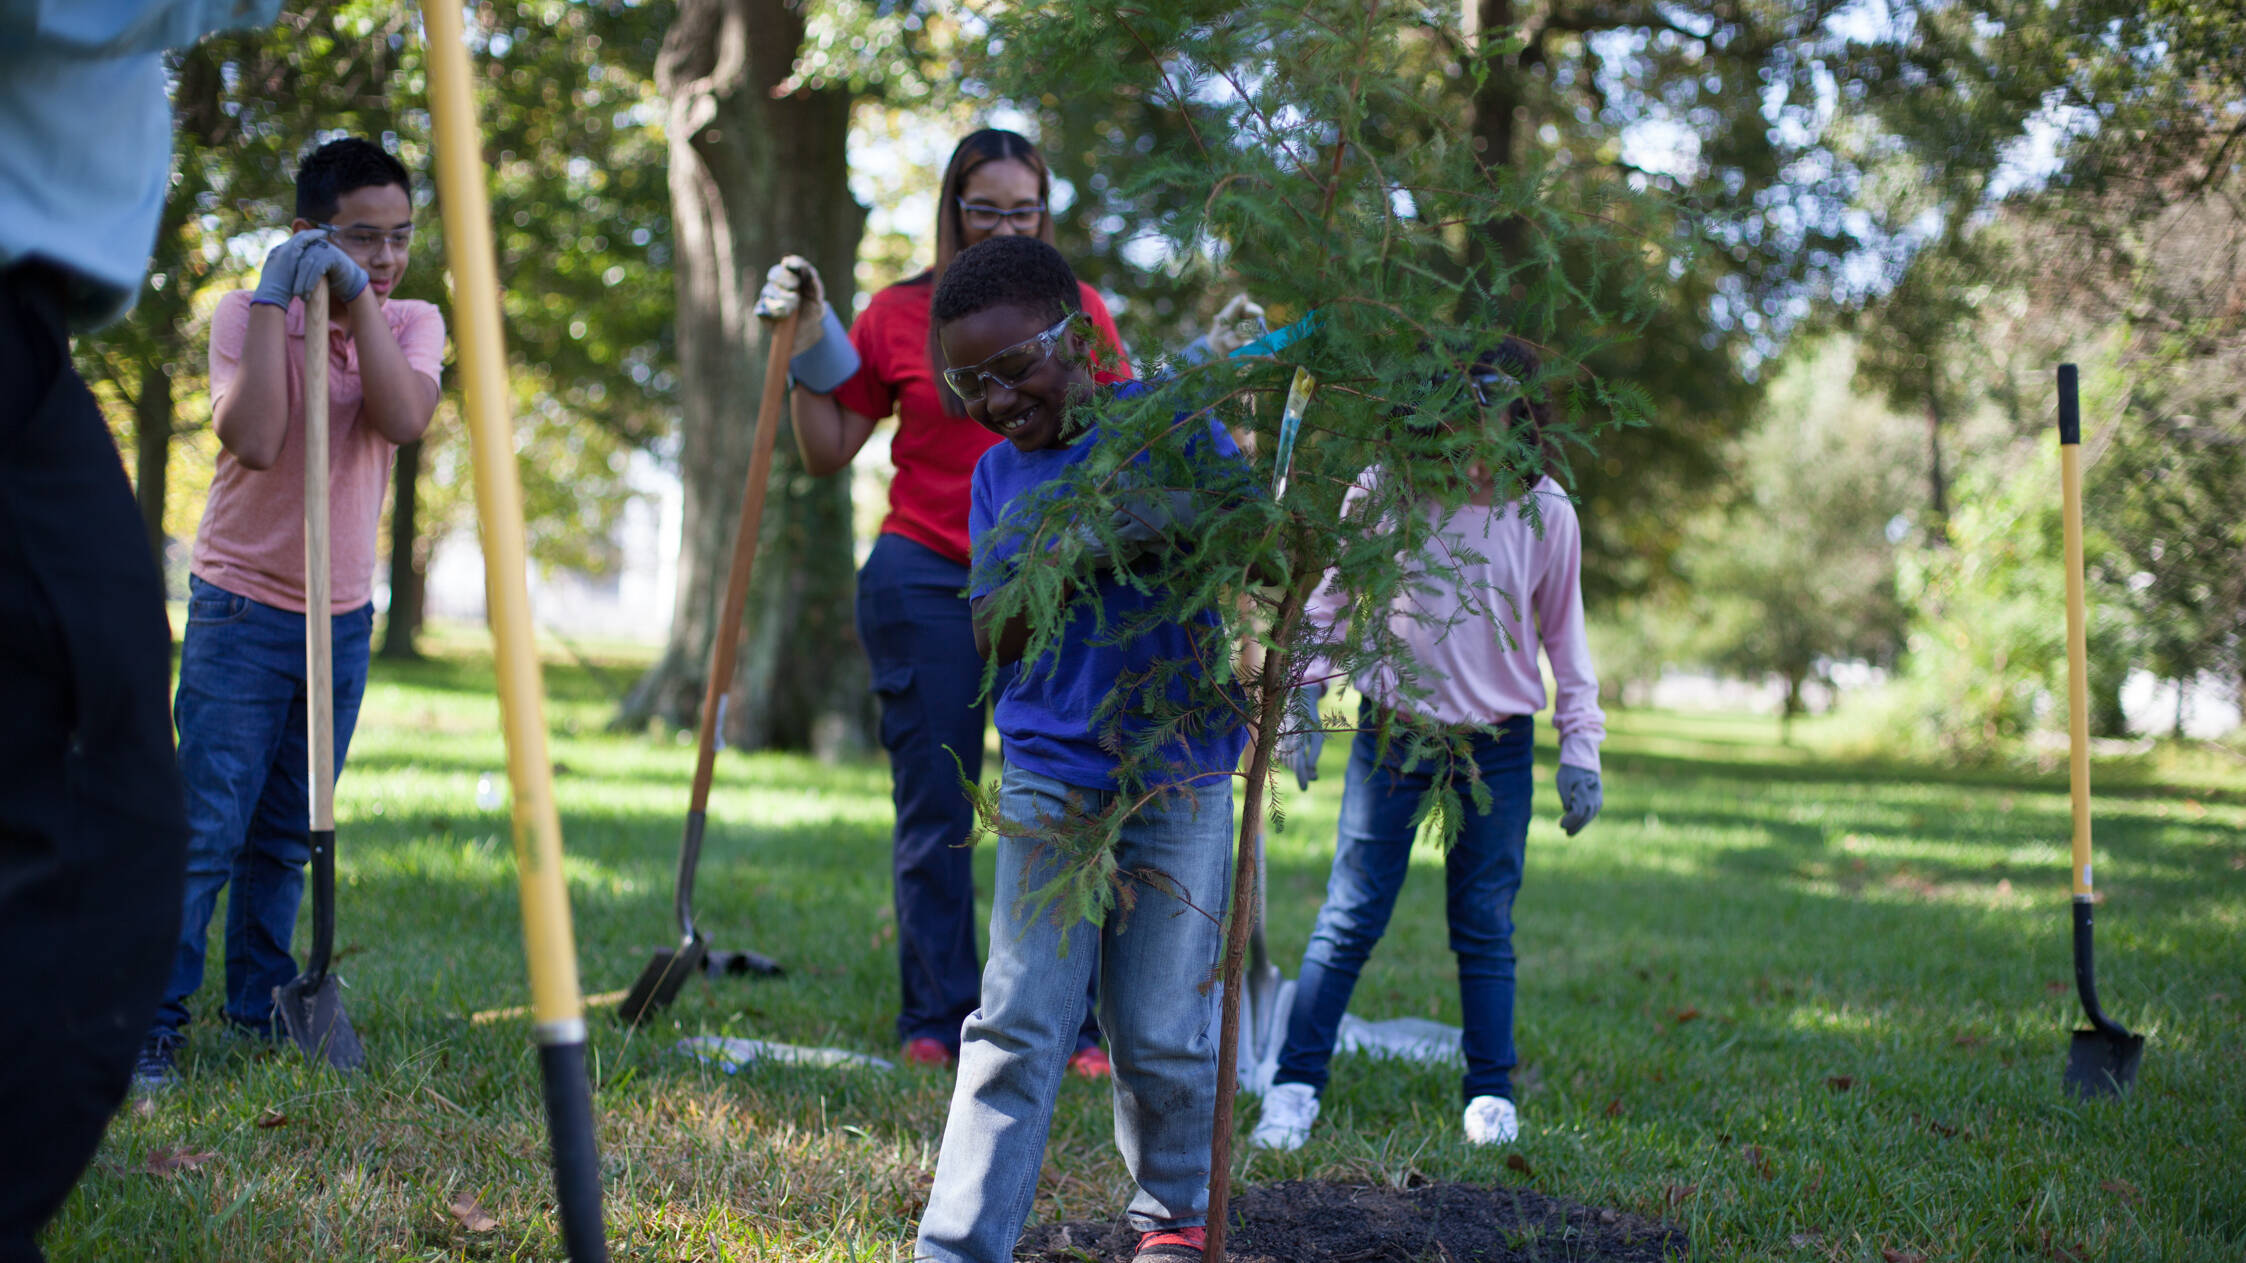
x: 556, y: 1005
x: 2102, y: 1060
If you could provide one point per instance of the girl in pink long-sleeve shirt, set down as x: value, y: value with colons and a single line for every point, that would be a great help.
x: 1509, y: 583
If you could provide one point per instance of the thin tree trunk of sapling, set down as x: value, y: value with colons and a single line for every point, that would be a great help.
x: 1270, y: 713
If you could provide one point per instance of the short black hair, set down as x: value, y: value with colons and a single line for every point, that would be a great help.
x: 343, y: 166
x: 1007, y: 272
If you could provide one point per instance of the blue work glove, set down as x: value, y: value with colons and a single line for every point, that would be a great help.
x: 1143, y: 522
x: 1580, y: 798
x: 1304, y: 738
x: 303, y: 261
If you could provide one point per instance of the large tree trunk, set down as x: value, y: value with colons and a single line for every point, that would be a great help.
x: 753, y: 178
x: 152, y: 451
x: 409, y: 576
x: 1496, y: 105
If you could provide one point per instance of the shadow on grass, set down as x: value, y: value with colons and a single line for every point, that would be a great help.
x: 2130, y: 779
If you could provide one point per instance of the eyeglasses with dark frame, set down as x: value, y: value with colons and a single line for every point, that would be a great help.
x: 1010, y: 367
x: 983, y: 217
x: 365, y: 240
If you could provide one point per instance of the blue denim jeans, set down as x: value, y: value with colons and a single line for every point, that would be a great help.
x: 912, y: 619
x: 1380, y: 815
x: 1161, y: 1021
x: 240, y: 712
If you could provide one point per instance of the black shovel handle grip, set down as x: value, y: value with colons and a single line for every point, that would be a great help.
x: 2085, y: 974
x: 569, y: 1116
x: 323, y: 906
x: 2070, y: 407
x: 689, y: 859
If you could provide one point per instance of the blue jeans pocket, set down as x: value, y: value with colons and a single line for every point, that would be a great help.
x: 209, y: 604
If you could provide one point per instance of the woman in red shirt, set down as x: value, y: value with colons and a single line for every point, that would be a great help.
x: 912, y: 611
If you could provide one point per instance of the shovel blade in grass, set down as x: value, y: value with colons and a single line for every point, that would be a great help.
x: 310, y: 1012
x: 2102, y: 1062
x: 658, y: 984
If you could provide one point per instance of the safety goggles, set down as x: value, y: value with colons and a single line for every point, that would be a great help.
x: 357, y: 240
x: 1010, y: 367
x: 983, y: 218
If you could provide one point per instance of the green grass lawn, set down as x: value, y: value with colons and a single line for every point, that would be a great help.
x: 1808, y: 1008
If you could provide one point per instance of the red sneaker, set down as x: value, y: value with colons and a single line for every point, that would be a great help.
x: 1090, y: 1063
x: 1172, y: 1244
x: 929, y: 1051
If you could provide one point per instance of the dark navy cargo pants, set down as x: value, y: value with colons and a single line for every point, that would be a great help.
x: 912, y: 619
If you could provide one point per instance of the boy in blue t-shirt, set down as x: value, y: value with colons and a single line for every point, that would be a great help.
x: 1008, y: 308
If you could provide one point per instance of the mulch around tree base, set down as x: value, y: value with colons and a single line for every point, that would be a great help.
x: 1301, y: 1221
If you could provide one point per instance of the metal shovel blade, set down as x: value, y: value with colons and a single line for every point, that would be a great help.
x: 658, y: 984
x: 2102, y: 1063
x: 311, y: 1013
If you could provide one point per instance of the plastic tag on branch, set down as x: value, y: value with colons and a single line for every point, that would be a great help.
x: 1290, y: 425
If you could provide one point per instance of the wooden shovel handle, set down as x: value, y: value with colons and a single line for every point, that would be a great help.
x: 319, y: 663
x: 779, y: 340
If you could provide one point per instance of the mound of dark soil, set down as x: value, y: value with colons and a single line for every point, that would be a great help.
x: 1304, y: 1222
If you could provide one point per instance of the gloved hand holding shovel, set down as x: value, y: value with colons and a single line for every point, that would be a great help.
x: 820, y: 356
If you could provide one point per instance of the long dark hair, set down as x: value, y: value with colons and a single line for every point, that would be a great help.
x: 991, y: 144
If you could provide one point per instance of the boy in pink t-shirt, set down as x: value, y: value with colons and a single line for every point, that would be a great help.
x: 241, y: 703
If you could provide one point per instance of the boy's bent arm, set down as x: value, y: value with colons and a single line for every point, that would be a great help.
x: 251, y: 417
x: 827, y: 435
x: 399, y: 398
x: 1008, y: 642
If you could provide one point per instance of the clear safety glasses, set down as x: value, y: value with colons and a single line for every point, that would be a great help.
x: 1010, y: 367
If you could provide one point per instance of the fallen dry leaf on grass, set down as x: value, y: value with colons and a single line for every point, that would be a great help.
x: 1676, y: 1194
x: 471, y: 1214
x: 1515, y: 1162
x: 1893, y: 1255
x: 1840, y: 1082
x: 1614, y: 1108
x: 167, y: 1161
x: 2122, y: 1189
x: 272, y: 1118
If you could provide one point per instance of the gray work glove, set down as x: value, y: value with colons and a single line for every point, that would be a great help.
x: 1304, y: 738
x: 1580, y: 798
x: 1239, y: 323
x: 1144, y: 522
x: 303, y: 261
x: 822, y: 357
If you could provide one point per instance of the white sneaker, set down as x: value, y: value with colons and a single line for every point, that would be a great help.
x: 1288, y: 1111
x: 1490, y: 1120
